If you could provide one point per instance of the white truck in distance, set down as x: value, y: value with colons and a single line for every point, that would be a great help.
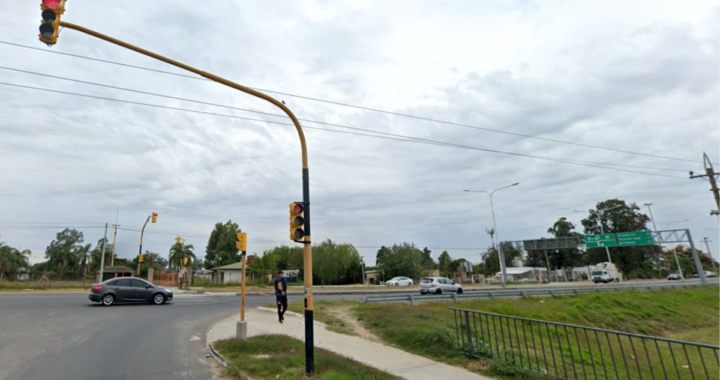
x: 604, y: 273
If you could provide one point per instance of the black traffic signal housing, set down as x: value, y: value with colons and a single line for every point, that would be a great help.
x: 50, y: 24
x: 297, y: 221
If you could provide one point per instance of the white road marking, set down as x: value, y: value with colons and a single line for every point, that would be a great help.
x: 194, y: 337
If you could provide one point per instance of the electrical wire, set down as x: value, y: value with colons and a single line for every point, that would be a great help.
x: 281, y: 115
x: 362, y: 107
x: 407, y: 138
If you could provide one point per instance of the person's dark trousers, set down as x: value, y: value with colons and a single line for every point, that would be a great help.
x: 282, y: 307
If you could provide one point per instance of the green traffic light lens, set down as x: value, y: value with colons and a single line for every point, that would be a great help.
x: 47, y: 30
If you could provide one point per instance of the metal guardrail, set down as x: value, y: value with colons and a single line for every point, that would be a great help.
x: 412, y: 298
x: 572, y: 352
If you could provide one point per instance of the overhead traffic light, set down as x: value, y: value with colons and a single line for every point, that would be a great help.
x: 50, y: 24
x: 154, y: 217
x: 177, y: 240
x: 140, y: 258
x: 297, y: 221
x: 241, y: 241
x: 185, y: 261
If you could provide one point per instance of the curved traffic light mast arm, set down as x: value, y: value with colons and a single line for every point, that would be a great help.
x: 307, y: 247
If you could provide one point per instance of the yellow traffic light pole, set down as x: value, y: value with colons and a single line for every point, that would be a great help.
x: 307, y: 247
x: 154, y: 216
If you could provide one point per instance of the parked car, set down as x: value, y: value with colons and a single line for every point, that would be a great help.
x: 674, y: 277
x: 439, y: 285
x: 129, y: 289
x: 400, y: 281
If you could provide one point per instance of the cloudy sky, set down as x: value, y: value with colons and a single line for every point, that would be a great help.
x: 577, y: 101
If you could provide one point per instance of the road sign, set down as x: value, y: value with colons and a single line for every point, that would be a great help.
x: 599, y: 241
x: 630, y: 239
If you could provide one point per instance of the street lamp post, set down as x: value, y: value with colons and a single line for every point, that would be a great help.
x: 656, y: 233
x: 600, y: 213
x: 497, y: 237
x: 142, y: 232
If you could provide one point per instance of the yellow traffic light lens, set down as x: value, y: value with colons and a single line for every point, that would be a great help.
x: 298, y: 221
x: 48, y: 15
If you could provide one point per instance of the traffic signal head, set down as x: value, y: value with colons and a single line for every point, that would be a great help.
x: 241, y: 241
x: 50, y: 24
x: 297, y: 221
x: 185, y: 261
x: 177, y: 240
x: 154, y: 217
x: 140, y: 258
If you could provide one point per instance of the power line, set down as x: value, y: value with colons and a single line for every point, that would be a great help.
x: 362, y: 107
x: 284, y: 116
x: 397, y: 136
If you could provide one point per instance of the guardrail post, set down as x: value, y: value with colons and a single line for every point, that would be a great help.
x: 552, y: 292
x: 522, y: 293
x: 412, y: 300
x: 492, y: 296
x: 469, y: 335
x: 576, y: 291
x: 454, y: 296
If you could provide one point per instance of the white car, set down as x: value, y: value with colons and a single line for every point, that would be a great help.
x: 439, y: 285
x: 400, y: 281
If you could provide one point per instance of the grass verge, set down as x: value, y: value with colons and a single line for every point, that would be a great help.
x: 15, y: 286
x: 271, y: 357
x: 428, y: 329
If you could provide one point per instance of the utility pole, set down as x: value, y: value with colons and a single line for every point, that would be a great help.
x: 112, y: 258
x: 711, y: 175
x: 657, y: 235
x: 102, y: 257
x: 712, y: 259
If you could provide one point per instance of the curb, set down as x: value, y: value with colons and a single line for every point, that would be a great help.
x: 217, y: 356
x: 269, y: 310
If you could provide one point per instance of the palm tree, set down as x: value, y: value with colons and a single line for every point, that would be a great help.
x: 12, y: 259
x: 178, y: 252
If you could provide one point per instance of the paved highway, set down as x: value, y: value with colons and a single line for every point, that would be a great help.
x: 63, y: 336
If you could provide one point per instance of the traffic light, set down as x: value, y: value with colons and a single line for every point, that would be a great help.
x: 185, y: 261
x: 241, y: 241
x: 154, y: 217
x: 297, y: 221
x: 177, y: 240
x: 140, y: 258
x: 50, y: 24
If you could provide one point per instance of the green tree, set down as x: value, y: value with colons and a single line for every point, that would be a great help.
x: 444, y: 263
x: 221, y: 249
x: 564, y: 258
x: 177, y: 252
x: 381, y: 254
x: 619, y: 217
x: 63, y: 251
x: 334, y: 263
x: 403, y: 260
x: 427, y: 260
x: 95, y: 258
x: 687, y: 263
x: 13, y: 259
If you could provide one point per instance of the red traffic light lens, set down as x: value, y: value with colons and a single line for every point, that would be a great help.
x: 298, y: 208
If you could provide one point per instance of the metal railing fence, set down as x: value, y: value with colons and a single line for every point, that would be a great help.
x: 572, y: 352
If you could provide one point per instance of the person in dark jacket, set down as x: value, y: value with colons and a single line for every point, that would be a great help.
x: 281, y: 295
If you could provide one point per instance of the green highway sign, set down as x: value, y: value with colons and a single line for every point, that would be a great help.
x: 630, y: 239
x: 599, y: 241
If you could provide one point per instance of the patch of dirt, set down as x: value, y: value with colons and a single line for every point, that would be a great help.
x: 346, y: 315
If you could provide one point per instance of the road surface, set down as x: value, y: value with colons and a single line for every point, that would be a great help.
x: 63, y: 336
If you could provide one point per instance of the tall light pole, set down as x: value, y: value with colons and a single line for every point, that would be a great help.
x: 656, y: 232
x: 497, y: 237
x: 712, y: 259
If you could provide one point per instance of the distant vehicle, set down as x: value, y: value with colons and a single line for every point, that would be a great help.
x: 439, y: 285
x: 129, y: 289
x: 604, y: 276
x: 710, y: 274
x: 400, y: 281
x: 674, y: 277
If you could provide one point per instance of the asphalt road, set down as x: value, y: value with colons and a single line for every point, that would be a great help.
x: 63, y: 336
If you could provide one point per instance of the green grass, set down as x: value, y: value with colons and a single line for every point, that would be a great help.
x: 323, y: 314
x: 428, y: 329
x: 52, y: 284
x: 286, y: 360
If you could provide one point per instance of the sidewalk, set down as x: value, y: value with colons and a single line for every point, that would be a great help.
x: 389, y: 359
